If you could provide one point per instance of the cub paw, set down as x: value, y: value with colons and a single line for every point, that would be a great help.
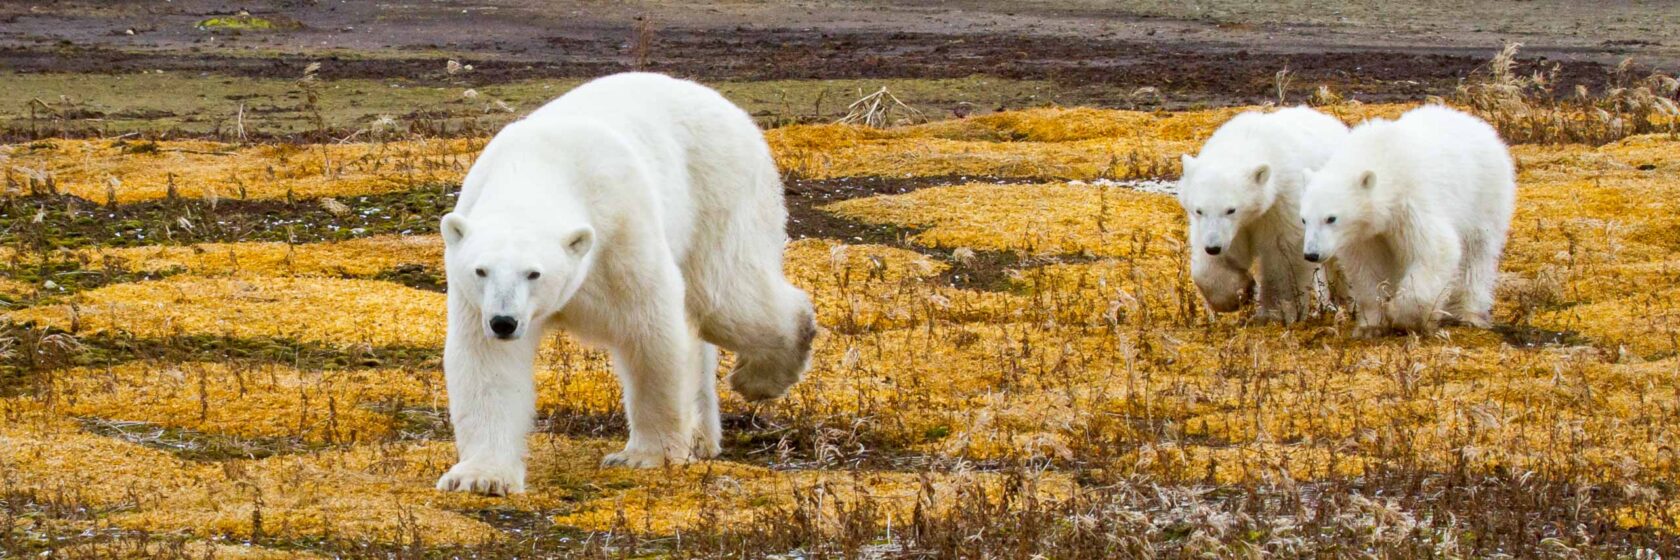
x: 639, y: 458
x: 707, y: 447
x: 1371, y: 332
x: 483, y: 479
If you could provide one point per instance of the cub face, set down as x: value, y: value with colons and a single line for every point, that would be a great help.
x: 1220, y: 200
x: 514, y: 276
x: 1335, y: 211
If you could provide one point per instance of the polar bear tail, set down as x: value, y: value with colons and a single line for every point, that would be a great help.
x: 767, y: 371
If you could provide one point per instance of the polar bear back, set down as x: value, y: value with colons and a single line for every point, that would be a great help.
x: 1294, y: 138
x: 1440, y: 162
x: 640, y: 151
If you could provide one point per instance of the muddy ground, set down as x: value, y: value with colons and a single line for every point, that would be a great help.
x: 1191, y: 53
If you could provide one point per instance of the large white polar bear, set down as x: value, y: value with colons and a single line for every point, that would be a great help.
x: 1415, y: 212
x: 639, y: 212
x: 1242, y: 195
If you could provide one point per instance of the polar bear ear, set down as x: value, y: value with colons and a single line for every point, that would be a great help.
x: 580, y: 241
x: 1261, y: 174
x: 454, y: 227
x: 1367, y: 179
x: 1187, y: 160
x: 1307, y: 175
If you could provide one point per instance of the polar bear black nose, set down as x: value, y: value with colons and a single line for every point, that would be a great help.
x: 1312, y: 257
x: 1214, y: 249
x: 503, y: 325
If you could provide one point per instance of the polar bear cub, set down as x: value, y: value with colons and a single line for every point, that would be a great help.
x: 639, y: 212
x: 1415, y: 211
x: 1242, y: 195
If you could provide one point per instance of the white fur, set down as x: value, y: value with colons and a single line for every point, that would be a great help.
x: 1422, y: 206
x: 1242, y: 195
x: 652, y: 213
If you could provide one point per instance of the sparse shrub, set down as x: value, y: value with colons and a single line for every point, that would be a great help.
x: 1526, y: 109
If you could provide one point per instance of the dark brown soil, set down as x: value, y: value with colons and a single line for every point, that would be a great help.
x: 1181, y: 75
x: 1123, y: 46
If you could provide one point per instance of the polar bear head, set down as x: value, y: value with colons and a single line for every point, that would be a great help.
x: 1336, y: 210
x: 514, y: 275
x: 1226, y: 288
x: 1220, y: 199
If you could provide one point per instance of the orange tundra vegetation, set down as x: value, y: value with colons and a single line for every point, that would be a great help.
x: 1087, y: 368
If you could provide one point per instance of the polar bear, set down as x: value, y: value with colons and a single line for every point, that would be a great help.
x: 638, y: 212
x: 1242, y: 194
x: 1415, y: 212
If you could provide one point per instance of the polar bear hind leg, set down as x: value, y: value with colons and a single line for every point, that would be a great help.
x: 708, y: 442
x: 770, y: 330
x: 657, y: 363
x: 739, y: 292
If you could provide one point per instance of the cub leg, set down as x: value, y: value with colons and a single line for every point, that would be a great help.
x: 1426, y: 284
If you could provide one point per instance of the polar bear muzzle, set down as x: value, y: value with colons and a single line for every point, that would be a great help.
x: 504, y: 326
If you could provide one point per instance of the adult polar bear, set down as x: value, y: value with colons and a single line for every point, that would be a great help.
x: 1242, y: 197
x: 639, y: 212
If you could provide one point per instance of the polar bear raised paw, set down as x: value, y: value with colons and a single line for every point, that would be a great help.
x: 768, y: 373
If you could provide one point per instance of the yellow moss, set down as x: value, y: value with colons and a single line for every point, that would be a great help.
x: 1245, y: 463
x: 14, y: 288
x: 725, y: 495
x: 199, y: 169
x: 1046, y: 219
x: 356, y: 258
x: 380, y: 493
x: 1108, y: 360
x: 870, y: 286
x: 1062, y: 143
x: 268, y: 401
x: 1065, y: 143
x: 330, y: 311
x: 202, y: 549
x: 50, y: 454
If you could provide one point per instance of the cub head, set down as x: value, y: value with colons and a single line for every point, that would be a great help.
x: 1226, y: 288
x: 1335, y: 211
x: 1221, y: 199
x: 514, y: 275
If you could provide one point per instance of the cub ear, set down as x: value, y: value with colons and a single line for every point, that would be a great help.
x: 454, y: 227
x: 1187, y: 160
x: 1307, y: 175
x: 1368, y: 179
x: 579, y: 242
x: 1261, y: 174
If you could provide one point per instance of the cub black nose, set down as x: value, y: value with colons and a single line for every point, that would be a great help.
x: 1214, y: 249
x: 1312, y: 257
x: 503, y: 325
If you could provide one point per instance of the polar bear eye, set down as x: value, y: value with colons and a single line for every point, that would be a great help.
x: 1198, y: 211
x: 533, y: 275
x: 1229, y: 211
x: 1330, y: 220
x: 480, y: 272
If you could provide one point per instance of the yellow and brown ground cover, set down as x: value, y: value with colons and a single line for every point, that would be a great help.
x: 1092, y: 366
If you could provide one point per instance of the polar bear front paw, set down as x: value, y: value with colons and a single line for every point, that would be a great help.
x: 645, y: 458
x: 483, y: 479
